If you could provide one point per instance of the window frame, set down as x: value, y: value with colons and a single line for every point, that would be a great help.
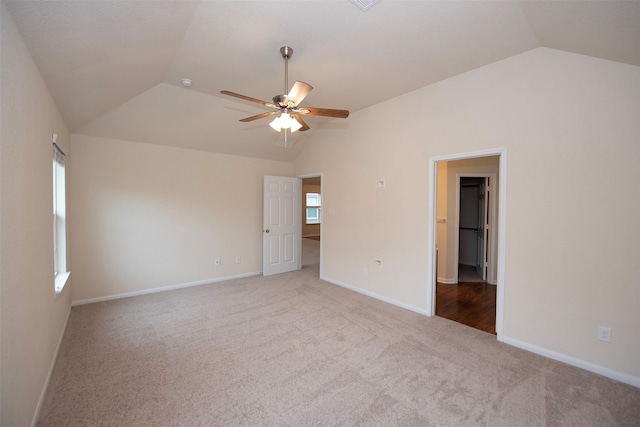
x: 315, y: 205
x: 61, y: 274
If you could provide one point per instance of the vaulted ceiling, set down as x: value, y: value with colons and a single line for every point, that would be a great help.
x: 115, y: 67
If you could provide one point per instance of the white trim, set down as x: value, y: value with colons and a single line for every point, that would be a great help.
x: 502, y: 243
x: 374, y: 295
x: 60, y: 282
x: 447, y: 281
x: 469, y: 155
x: 502, y: 228
x: 431, y: 237
x: 579, y: 363
x: 43, y: 393
x: 162, y: 289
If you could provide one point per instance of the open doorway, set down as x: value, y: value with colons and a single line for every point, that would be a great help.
x: 467, y: 190
x: 477, y: 244
x: 311, y: 221
x: 472, y: 252
x: 475, y: 228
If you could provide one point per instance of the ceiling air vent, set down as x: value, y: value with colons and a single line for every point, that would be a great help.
x: 364, y: 4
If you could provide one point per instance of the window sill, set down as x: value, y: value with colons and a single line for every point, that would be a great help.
x: 61, y: 281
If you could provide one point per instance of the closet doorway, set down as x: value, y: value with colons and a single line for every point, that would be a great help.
x: 475, y: 228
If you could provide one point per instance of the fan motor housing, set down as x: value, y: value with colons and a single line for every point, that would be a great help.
x: 279, y: 100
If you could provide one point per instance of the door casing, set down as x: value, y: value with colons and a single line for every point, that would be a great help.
x: 501, y: 227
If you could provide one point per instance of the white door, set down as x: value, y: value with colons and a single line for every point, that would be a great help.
x: 282, y: 225
x: 483, y: 229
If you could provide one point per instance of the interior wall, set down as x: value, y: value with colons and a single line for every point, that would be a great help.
x: 308, y: 229
x: 32, y: 318
x: 571, y: 257
x: 147, y: 216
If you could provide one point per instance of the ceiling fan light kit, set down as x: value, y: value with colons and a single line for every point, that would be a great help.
x: 287, y: 106
x: 285, y: 121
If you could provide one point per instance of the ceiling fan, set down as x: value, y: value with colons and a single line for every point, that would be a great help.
x: 288, y: 106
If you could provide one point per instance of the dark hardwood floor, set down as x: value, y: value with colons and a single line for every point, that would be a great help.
x: 472, y: 304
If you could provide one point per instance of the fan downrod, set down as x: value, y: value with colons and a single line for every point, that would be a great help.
x: 286, y: 52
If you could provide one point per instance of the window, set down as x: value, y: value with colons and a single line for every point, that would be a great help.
x: 314, y: 204
x: 59, y: 220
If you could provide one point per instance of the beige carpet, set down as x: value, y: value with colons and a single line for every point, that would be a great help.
x: 293, y: 350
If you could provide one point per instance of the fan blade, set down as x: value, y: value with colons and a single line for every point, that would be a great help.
x: 248, y: 98
x: 299, y: 120
x: 259, y: 116
x: 298, y: 92
x: 327, y: 112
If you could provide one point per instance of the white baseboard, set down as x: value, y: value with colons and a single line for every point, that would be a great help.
x: 374, y: 295
x: 588, y: 366
x: 43, y: 393
x: 162, y: 289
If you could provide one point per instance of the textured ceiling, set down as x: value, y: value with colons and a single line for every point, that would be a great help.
x: 114, y: 67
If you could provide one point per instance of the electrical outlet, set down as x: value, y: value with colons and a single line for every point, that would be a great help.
x: 238, y: 260
x: 217, y: 261
x: 365, y: 272
x: 604, y: 334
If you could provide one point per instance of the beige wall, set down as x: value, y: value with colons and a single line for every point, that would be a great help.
x: 570, y: 126
x: 308, y: 229
x: 32, y: 318
x: 147, y: 216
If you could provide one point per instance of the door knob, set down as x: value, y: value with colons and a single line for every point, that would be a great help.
x: 266, y: 231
